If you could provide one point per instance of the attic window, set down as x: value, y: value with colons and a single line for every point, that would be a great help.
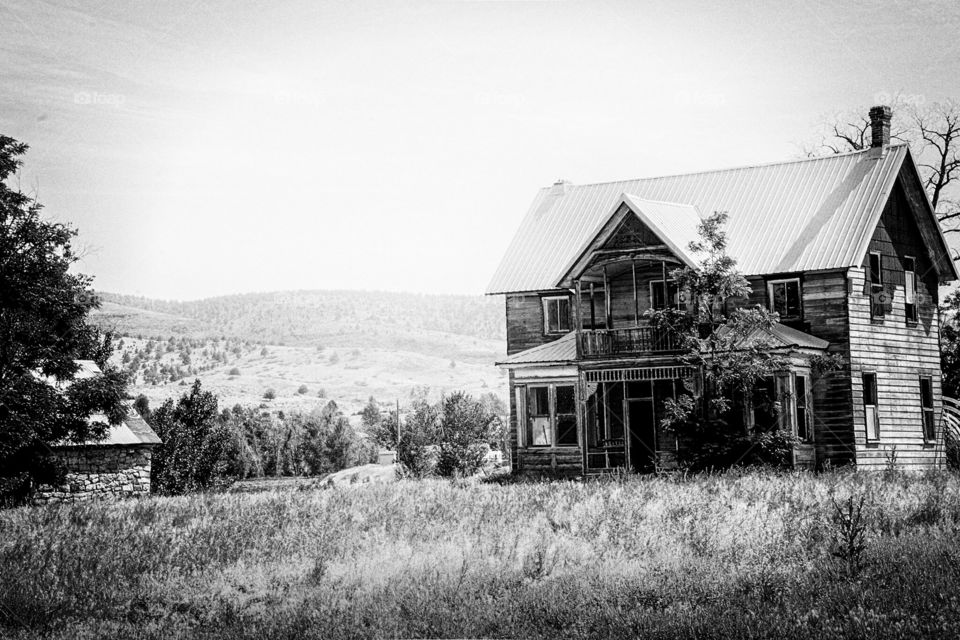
x: 556, y: 314
x: 878, y: 297
x: 910, y: 288
x: 785, y: 298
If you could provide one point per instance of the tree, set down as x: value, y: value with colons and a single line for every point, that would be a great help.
x: 727, y: 347
x: 370, y: 415
x: 302, y: 389
x: 950, y: 345
x: 44, y: 331
x: 464, y: 433
x: 195, y: 445
x: 933, y: 132
x: 269, y: 394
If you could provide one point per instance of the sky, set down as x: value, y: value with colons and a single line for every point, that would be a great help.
x: 210, y: 148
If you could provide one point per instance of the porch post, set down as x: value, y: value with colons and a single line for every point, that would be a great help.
x: 606, y: 299
x: 579, y: 316
x: 593, y: 309
x: 636, y: 299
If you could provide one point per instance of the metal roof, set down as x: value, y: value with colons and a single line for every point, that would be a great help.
x: 804, y: 215
x: 560, y: 351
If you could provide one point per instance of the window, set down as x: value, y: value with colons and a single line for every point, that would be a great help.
x: 566, y: 416
x: 870, y: 406
x: 538, y: 406
x: 802, y: 406
x: 878, y: 297
x: 785, y: 298
x: 663, y: 296
x: 910, y: 289
x: 926, y: 406
x: 556, y: 315
x: 551, y: 416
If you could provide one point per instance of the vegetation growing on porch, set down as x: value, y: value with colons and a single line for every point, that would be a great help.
x: 725, y: 342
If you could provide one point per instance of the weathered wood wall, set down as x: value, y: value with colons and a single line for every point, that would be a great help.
x: 899, y: 352
x: 525, y: 321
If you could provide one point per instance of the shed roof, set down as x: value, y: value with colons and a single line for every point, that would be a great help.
x: 803, y: 215
x: 563, y: 350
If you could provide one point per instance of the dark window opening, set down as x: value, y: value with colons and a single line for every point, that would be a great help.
x: 910, y: 289
x: 664, y: 295
x: 926, y: 406
x: 878, y: 297
x: 556, y: 315
x: 785, y: 298
x: 870, y: 406
x: 804, y: 432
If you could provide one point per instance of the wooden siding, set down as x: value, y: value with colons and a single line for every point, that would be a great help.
x: 525, y: 321
x: 897, y: 351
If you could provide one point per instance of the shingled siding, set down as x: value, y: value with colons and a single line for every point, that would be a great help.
x: 525, y: 321
x: 100, y: 472
x: 897, y: 351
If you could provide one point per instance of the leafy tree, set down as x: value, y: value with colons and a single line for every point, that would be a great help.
x: 417, y: 434
x: 950, y: 345
x: 466, y: 427
x: 44, y: 330
x: 269, y: 394
x: 727, y: 346
x: 370, y: 415
x: 195, y: 445
x: 303, y: 389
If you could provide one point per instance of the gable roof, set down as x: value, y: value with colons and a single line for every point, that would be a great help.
x: 134, y: 430
x: 675, y: 225
x: 804, y: 215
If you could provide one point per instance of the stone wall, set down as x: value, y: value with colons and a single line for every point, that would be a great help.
x: 95, y: 472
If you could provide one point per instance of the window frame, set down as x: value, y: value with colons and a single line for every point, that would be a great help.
x: 877, y: 312
x: 806, y: 406
x: 676, y: 305
x: 928, y: 423
x: 910, y: 309
x: 873, y: 435
x: 525, y: 417
x: 545, y: 302
x: 770, y: 299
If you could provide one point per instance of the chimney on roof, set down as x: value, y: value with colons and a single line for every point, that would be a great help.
x: 560, y: 187
x: 880, y: 126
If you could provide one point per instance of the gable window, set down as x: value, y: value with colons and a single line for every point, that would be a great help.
x: 664, y: 295
x: 910, y: 289
x: 785, y: 298
x: 870, y: 406
x: 551, y: 419
x: 556, y: 314
x: 878, y: 297
x: 926, y: 407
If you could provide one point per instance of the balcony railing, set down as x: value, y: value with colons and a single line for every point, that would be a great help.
x: 598, y: 343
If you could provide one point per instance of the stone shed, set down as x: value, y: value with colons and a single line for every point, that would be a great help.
x: 117, y: 465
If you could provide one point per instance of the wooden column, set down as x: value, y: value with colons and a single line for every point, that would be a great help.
x: 593, y: 309
x: 636, y: 299
x: 606, y: 300
x: 579, y: 316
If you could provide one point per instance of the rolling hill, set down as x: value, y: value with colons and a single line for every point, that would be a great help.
x: 309, y: 346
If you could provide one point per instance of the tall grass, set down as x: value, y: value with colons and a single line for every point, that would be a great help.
x: 736, y: 555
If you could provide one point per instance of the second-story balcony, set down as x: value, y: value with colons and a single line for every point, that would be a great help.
x: 629, y: 341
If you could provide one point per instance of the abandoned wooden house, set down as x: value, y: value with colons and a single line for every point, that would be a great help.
x: 845, y: 248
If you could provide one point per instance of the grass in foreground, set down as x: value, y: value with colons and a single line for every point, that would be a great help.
x: 737, y: 555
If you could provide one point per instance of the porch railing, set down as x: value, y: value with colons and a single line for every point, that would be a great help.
x: 598, y: 343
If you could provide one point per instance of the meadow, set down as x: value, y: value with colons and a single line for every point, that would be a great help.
x: 741, y: 554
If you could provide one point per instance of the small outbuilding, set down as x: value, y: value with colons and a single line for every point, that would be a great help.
x: 117, y: 465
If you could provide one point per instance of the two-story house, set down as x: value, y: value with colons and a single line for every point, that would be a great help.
x: 845, y: 248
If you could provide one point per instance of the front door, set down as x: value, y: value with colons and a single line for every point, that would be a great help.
x: 643, y: 434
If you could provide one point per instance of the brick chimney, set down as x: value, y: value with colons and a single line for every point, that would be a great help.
x: 880, y: 127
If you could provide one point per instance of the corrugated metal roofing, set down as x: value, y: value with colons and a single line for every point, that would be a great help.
x: 810, y: 214
x: 560, y: 351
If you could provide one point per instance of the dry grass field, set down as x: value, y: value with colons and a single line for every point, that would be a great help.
x: 754, y: 554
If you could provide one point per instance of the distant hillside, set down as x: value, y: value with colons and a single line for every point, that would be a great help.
x: 308, y: 346
x: 303, y: 317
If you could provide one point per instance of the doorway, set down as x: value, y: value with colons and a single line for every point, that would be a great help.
x: 643, y: 434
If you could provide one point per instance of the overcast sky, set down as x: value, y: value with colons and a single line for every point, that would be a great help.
x: 206, y: 148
